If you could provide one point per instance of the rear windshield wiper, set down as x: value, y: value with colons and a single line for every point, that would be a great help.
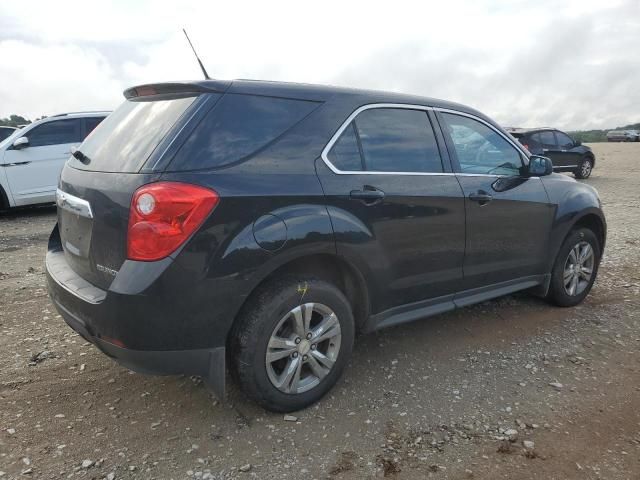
x: 80, y: 156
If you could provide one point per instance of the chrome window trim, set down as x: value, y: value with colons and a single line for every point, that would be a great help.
x: 73, y: 204
x: 406, y: 106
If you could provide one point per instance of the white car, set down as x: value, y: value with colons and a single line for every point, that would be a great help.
x: 31, y: 158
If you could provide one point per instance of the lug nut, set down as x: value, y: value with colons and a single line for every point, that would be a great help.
x: 304, y: 357
x: 294, y: 354
x: 309, y: 336
x: 297, y: 340
x: 313, y: 346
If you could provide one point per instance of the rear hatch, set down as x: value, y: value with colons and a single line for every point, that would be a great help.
x: 95, y: 193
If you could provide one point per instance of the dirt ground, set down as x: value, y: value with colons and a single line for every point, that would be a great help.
x: 439, y: 398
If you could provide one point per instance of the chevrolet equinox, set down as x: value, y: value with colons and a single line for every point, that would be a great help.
x: 262, y: 224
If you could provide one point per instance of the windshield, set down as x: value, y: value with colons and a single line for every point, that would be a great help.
x: 127, y: 137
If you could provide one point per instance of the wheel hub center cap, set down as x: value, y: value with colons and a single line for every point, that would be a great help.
x: 304, y: 346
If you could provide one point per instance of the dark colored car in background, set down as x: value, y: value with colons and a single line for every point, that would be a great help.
x: 623, y: 136
x: 6, y: 132
x: 567, y: 154
x: 263, y: 224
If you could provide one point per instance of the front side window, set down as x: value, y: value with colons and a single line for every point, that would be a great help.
x: 390, y: 140
x: 481, y: 149
x: 57, y: 132
x: 564, y: 141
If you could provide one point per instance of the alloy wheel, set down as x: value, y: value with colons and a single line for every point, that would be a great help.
x: 303, y: 348
x: 585, y: 169
x: 578, y: 268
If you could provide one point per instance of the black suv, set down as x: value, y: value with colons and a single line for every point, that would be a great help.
x: 263, y: 224
x: 567, y: 154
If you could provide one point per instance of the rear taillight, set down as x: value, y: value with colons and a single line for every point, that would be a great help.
x: 163, y: 215
x: 526, y: 146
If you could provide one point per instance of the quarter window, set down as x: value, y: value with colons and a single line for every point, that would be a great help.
x: 345, y: 154
x: 57, y: 132
x: 391, y: 140
x: 481, y: 149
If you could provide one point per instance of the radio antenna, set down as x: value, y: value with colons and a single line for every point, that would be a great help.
x: 204, y: 71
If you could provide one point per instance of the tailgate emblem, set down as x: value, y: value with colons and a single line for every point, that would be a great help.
x: 107, y: 270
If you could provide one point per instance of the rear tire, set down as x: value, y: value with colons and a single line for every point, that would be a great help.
x: 575, y: 268
x: 281, y: 331
x: 585, y: 168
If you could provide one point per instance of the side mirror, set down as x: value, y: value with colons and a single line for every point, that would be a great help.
x: 21, y: 143
x: 540, y: 166
x: 577, y: 143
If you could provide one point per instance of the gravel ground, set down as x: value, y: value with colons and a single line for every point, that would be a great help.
x: 511, y: 388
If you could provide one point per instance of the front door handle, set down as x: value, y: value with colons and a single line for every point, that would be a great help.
x: 368, y: 195
x: 481, y: 197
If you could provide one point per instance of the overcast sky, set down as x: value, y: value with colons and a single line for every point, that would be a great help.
x: 564, y: 63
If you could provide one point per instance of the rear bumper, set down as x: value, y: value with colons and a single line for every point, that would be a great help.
x: 113, y: 322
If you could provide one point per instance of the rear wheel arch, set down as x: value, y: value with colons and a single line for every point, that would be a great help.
x: 328, y: 267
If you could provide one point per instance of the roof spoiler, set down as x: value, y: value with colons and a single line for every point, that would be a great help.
x: 169, y: 88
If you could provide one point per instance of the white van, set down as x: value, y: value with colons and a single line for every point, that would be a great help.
x: 31, y: 158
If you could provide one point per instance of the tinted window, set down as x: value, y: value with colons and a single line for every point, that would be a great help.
x: 90, y: 124
x: 534, y: 142
x: 56, y: 132
x: 563, y: 140
x: 345, y: 154
x: 547, y: 140
x: 5, y: 133
x: 481, y: 149
x: 125, y: 139
x: 238, y: 126
x: 398, y: 140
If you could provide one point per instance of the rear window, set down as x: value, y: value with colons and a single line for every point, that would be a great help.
x: 124, y: 140
x: 237, y: 127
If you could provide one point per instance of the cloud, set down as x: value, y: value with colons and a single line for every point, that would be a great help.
x: 570, y: 65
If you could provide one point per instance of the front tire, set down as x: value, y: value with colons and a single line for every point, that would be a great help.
x: 585, y: 168
x: 292, y: 342
x: 575, y: 269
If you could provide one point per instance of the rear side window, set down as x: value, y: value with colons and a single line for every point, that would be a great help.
x: 547, y: 140
x: 124, y: 140
x: 237, y: 127
x: 391, y: 140
x: 57, y: 132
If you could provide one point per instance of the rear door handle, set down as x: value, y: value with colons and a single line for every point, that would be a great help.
x: 368, y: 195
x: 481, y: 197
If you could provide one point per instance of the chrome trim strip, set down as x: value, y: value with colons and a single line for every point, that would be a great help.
x: 73, y: 204
x: 406, y: 106
x: 14, y: 164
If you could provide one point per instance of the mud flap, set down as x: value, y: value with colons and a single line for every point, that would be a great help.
x: 215, y: 379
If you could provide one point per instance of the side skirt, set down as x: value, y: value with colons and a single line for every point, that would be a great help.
x: 434, y: 306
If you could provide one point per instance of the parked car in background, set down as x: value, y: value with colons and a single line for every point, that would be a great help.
x: 31, y: 158
x: 264, y: 223
x: 623, y: 136
x: 567, y: 154
x: 6, y: 132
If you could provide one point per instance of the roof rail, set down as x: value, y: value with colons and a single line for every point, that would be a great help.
x: 78, y: 113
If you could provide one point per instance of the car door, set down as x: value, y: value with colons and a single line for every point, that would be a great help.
x: 508, y: 215
x: 548, y: 145
x: 396, y: 208
x: 565, y: 151
x: 33, y: 170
